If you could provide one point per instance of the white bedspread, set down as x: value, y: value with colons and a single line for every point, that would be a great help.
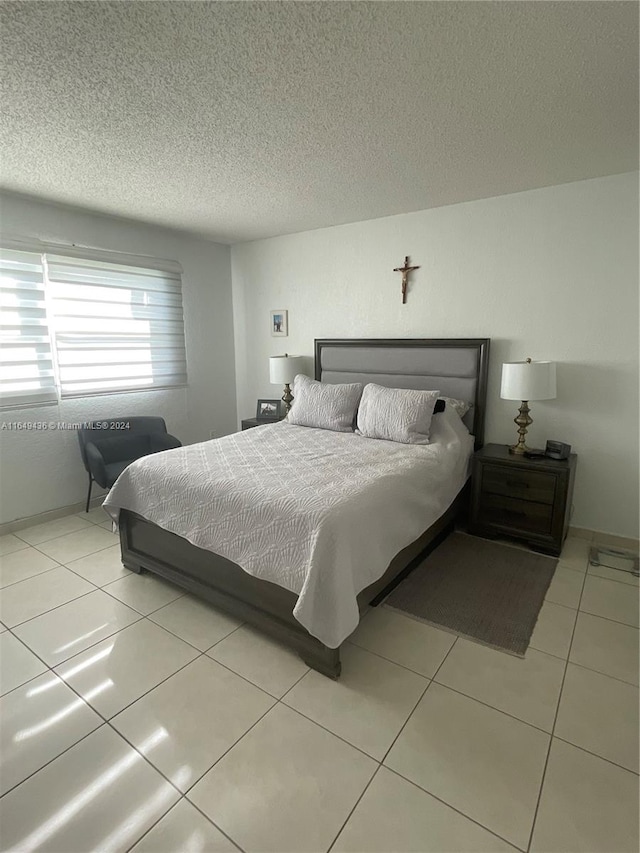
x: 320, y: 513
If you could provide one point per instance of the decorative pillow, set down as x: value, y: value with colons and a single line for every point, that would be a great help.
x: 459, y: 406
x: 318, y: 404
x: 396, y: 414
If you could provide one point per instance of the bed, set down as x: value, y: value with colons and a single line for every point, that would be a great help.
x: 455, y: 367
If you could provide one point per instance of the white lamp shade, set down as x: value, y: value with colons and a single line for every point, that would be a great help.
x: 284, y: 368
x: 528, y: 380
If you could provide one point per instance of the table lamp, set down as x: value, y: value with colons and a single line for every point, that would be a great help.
x: 283, y: 369
x: 524, y: 381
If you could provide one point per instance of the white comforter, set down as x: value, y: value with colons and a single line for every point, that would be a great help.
x: 320, y: 513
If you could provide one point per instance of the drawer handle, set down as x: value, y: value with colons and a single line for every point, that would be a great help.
x: 515, y: 513
x: 518, y: 483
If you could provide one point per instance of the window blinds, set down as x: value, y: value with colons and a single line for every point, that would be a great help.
x: 115, y: 327
x: 26, y: 363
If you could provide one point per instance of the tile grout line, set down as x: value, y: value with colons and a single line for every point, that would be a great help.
x: 107, y: 721
x: 280, y: 700
x: 144, y: 615
x: 90, y: 554
x: 381, y: 764
x: 212, y: 822
x: 595, y: 755
x: 534, y: 648
x: 588, y: 613
x: 390, y: 660
x: 15, y: 550
x: 58, y: 565
x: 90, y: 526
x: 215, y: 660
x: 226, y: 752
x: 295, y: 684
x: 608, y: 619
x: 613, y: 580
x: 29, y: 680
x: 333, y: 734
x: 86, y: 648
x: 37, y: 575
x: 78, y: 598
x: 355, y: 806
x: 51, y: 609
x: 606, y: 674
x: 431, y: 681
x: 102, y: 639
x: 200, y: 654
x: 453, y: 808
x: 277, y: 700
x: 492, y: 707
x: 49, y: 670
x: 178, y: 637
x: 555, y: 719
x: 100, y: 725
x: 72, y: 688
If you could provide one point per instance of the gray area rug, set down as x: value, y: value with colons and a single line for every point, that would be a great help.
x: 481, y: 590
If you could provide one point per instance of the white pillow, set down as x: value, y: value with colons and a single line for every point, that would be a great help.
x: 396, y: 414
x: 324, y: 406
x: 459, y: 406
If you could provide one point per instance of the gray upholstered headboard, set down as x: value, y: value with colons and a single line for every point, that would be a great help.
x: 457, y: 367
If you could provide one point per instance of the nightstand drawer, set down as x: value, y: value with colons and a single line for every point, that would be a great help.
x: 517, y: 483
x: 511, y: 513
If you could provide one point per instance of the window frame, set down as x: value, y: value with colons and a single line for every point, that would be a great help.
x: 171, y: 302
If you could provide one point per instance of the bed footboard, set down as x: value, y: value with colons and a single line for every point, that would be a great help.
x: 144, y: 546
x: 268, y: 607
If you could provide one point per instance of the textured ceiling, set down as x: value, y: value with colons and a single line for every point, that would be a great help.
x: 246, y: 120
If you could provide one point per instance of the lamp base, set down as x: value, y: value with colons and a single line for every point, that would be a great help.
x: 287, y: 398
x: 523, y: 421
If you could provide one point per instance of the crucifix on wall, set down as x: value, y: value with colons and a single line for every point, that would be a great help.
x: 405, y: 270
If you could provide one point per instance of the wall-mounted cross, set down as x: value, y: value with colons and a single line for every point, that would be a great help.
x: 405, y: 270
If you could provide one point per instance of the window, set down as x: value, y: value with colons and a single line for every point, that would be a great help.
x: 26, y: 362
x: 72, y: 327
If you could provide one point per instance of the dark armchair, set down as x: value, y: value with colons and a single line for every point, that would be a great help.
x: 107, y: 446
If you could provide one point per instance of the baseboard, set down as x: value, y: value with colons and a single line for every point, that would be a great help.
x: 601, y: 538
x: 50, y: 515
x: 581, y: 533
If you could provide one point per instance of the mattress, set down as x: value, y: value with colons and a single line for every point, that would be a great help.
x: 317, y: 512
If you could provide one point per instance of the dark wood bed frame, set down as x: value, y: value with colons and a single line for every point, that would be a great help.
x: 147, y: 547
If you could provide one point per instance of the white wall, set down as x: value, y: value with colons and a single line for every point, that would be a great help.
x: 42, y: 470
x: 551, y: 274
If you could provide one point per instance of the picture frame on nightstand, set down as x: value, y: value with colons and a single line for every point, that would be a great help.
x: 268, y: 410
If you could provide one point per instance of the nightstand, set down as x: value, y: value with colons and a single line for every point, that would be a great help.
x: 248, y: 423
x: 528, y: 499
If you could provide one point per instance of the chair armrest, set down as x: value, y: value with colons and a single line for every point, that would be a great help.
x: 163, y: 441
x: 96, y: 464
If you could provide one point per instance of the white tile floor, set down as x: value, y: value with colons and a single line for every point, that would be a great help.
x: 135, y: 717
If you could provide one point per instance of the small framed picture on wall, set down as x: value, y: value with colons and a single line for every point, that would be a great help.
x: 279, y: 323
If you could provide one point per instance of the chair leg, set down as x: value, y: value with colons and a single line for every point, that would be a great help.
x: 89, y: 493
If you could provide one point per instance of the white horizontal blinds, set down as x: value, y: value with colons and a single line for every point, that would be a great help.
x: 27, y: 374
x: 116, y: 327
